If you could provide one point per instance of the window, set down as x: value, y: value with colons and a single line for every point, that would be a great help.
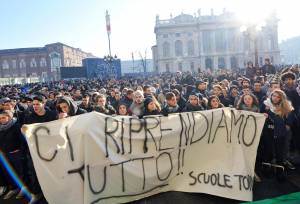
x: 33, y: 63
x: 208, y: 63
x: 167, y: 68
x: 221, y: 63
x: 233, y: 63
x: 43, y: 62
x: 165, y: 35
x: 178, y: 48
x: 180, y: 66
x: 177, y: 34
x: 232, y: 39
x: 190, y: 34
x: 5, y: 64
x: 190, y: 47
x: 192, y: 66
x: 14, y: 64
x: 22, y: 63
x: 166, y: 49
x: 207, y: 41
x: 220, y: 40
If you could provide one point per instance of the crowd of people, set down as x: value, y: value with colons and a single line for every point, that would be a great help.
x: 276, y: 93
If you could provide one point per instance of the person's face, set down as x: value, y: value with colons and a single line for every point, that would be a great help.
x: 246, y: 91
x: 117, y: 96
x: 202, y: 86
x: 147, y: 91
x: 257, y: 87
x: 214, y: 103
x: 85, y: 100
x: 267, y: 62
x: 217, y: 91
x: 113, y: 93
x: 276, y: 99
x: 248, y: 100
x: 122, y: 110
x: 172, y: 102
x: 37, y: 106
x: 151, y: 106
x: 245, y: 83
x: 101, y: 102
x: 130, y: 96
x: 234, y: 92
x: 77, y: 93
x: 8, y: 106
x: 275, y: 86
x: 64, y: 107
x: 194, y: 100
x: 289, y: 81
x: 138, y: 98
x: 4, y: 119
x: 51, y: 96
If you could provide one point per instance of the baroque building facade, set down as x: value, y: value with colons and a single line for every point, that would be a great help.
x: 41, y: 63
x: 194, y: 43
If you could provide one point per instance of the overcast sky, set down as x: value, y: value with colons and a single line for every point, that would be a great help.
x: 81, y: 23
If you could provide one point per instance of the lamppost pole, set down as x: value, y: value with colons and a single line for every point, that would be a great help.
x: 108, y: 29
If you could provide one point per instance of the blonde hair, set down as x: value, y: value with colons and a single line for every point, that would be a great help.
x: 285, y: 106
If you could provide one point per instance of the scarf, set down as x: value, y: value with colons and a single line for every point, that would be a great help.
x: 8, y: 125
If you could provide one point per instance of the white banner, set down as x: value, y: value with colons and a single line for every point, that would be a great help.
x: 94, y: 158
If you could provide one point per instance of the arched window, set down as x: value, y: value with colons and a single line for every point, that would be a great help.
x: 221, y: 63
x: 22, y: 63
x: 190, y: 46
x: 178, y: 48
x: 5, y: 64
x: 166, y: 49
x: 43, y: 62
x: 208, y: 63
x: 33, y: 63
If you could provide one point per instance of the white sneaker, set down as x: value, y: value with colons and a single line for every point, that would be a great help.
x: 10, y: 194
x: 35, y: 198
x: 2, y: 190
x: 21, y: 193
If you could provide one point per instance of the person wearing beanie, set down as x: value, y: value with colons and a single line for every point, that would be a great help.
x: 201, y: 87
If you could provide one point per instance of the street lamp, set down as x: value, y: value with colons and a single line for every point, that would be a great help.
x: 109, y: 60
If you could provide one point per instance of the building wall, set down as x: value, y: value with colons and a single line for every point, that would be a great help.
x: 42, y: 62
x: 189, y: 43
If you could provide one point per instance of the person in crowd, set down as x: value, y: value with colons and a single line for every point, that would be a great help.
x: 128, y: 98
x: 248, y: 102
x: 86, y: 104
x: 151, y: 106
x: 117, y: 100
x: 77, y: 95
x: 201, y: 87
x: 276, y: 133
x: 171, y: 105
x: 137, y: 107
x: 233, y: 95
x: 217, y: 91
x: 102, y: 107
x: 181, y: 101
x: 250, y: 71
x: 257, y: 91
x: 268, y: 68
x: 9, y: 104
x: 67, y: 107
x: 214, y: 102
x: 122, y: 109
x: 11, y: 145
x: 193, y: 103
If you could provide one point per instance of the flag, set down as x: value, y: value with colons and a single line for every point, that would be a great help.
x: 107, y: 23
